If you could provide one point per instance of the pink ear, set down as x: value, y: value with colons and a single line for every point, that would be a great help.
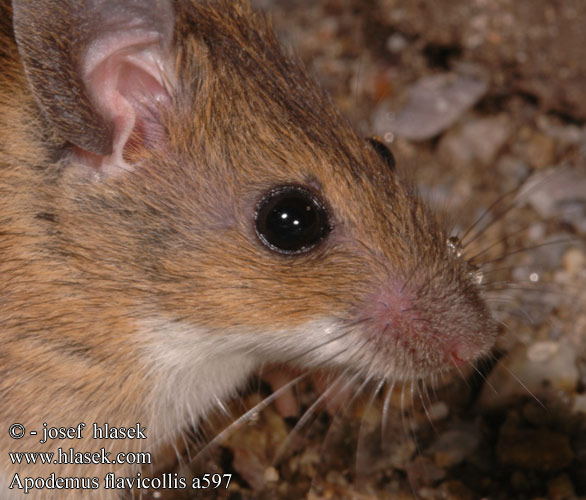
x: 128, y: 78
x: 100, y: 71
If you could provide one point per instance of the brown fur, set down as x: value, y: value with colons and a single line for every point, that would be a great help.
x: 82, y: 261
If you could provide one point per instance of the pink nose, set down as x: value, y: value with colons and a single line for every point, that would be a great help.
x: 425, y: 335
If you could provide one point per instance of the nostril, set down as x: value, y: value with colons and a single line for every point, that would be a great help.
x: 456, y: 360
x: 461, y: 353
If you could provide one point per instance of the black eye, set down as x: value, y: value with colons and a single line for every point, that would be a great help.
x: 383, y: 151
x: 291, y: 220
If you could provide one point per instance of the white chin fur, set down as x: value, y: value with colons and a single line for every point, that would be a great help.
x: 194, y: 370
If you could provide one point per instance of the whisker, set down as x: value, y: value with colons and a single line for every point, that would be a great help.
x: 464, y: 378
x: 248, y: 415
x: 360, y: 442
x: 403, y: 412
x: 256, y: 409
x: 501, y: 214
x: 222, y: 407
x: 386, y: 408
x: 484, y: 378
x: 522, y: 384
x: 425, y: 409
x: 310, y: 411
x: 484, y: 214
x: 524, y: 249
x: 507, y: 237
x: 347, y: 331
x: 553, y: 288
x: 434, y: 385
x: 187, y: 450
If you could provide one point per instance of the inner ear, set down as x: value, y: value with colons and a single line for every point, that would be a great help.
x: 129, y: 83
x: 99, y: 70
x: 148, y: 97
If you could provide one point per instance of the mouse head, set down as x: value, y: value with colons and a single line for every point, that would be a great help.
x: 205, y: 179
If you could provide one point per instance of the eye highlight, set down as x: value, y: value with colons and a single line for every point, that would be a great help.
x: 383, y: 151
x: 291, y: 220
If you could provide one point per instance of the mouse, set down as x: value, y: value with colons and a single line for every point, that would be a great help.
x: 182, y: 204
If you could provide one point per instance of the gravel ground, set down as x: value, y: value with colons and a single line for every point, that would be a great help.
x: 476, y: 98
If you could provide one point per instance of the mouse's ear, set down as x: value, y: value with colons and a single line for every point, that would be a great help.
x: 99, y: 69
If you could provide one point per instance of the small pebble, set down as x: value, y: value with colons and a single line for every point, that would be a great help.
x: 249, y: 467
x: 454, y: 446
x: 396, y: 43
x: 434, y: 103
x: 558, y: 193
x: 579, y: 405
x: 538, y: 150
x: 427, y: 493
x: 308, y: 461
x: 520, y: 481
x: 455, y: 490
x: 574, y: 261
x: 524, y: 371
x: 542, y: 351
x: 271, y: 475
x: 478, y: 140
x: 534, y: 449
x: 438, y: 411
x: 401, y: 453
x: 336, y: 478
x: 560, y: 488
x: 423, y: 472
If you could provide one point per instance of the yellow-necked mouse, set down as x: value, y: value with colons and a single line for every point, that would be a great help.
x: 180, y: 203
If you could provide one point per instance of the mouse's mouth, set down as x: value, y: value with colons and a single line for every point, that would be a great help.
x: 393, y: 337
x: 380, y: 350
